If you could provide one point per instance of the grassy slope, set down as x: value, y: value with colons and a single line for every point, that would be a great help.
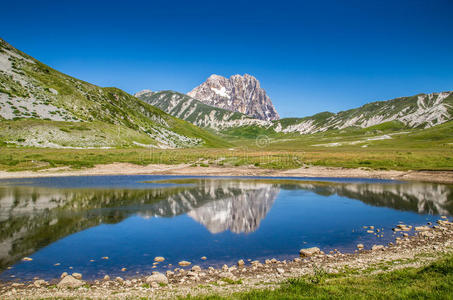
x: 431, y: 282
x: 91, y: 103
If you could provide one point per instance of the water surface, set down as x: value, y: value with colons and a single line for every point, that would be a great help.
x: 75, y: 221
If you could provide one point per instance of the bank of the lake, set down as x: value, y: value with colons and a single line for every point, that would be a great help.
x: 250, y: 170
x: 419, y: 265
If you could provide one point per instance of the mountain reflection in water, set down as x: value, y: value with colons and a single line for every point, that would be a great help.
x: 34, y: 217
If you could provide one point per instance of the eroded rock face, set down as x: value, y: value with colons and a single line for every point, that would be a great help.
x: 237, y: 93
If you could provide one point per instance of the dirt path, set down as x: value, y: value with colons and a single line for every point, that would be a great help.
x: 185, y: 169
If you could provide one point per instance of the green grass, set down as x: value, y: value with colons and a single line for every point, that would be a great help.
x: 434, y: 281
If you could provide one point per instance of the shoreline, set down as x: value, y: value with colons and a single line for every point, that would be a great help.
x: 186, y: 169
x: 425, y: 246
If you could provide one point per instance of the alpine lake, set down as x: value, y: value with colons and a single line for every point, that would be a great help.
x: 117, y: 225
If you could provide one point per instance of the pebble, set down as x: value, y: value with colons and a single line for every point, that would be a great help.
x: 123, y: 269
x: 27, y: 259
x: 204, y: 258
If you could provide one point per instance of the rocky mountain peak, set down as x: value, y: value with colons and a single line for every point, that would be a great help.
x: 241, y: 93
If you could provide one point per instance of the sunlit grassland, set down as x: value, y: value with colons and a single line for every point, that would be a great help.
x: 420, y: 149
x: 434, y: 281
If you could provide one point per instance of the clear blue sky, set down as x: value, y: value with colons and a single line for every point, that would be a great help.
x: 310, y: 56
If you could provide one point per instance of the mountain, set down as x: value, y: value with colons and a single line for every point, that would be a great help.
x: 238, y: 93
x: 42, y: 107
x: 419, y: 111
x: 196, y: 112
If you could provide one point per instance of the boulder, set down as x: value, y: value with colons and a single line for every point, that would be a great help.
x: 224, y: 268
x: 309, y: 251
x: 64, y: 274
x: 39, y: 282
x: 241, y: 263
x: 106, y: 277
x: 159, y: 258
x: 280, y: 271
x: 377, y: 247
x: 196, y: 269
x: 77, y: 275
x: 157, y: 277
x: 360, y: 246
x: 70, y: 282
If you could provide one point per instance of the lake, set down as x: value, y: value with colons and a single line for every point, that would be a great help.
x: 73, y: 223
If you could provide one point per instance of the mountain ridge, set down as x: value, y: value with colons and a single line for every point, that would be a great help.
x: 421, y: 110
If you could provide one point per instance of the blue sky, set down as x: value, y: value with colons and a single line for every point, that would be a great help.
x: 310, y: 56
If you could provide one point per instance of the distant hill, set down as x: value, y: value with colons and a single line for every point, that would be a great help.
x: 419, y: 111
x: 42, y: 107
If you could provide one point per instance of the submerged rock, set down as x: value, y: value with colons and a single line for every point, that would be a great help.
x: 309, y: 251
x: 159, y: 258
x: 422, y: 228
x: 184, y: 263
x: 71, y: 282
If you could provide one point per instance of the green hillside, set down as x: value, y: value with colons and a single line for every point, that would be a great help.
x: 32, y: 93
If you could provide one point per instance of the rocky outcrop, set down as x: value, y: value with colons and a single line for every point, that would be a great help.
x: 237, y: 93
